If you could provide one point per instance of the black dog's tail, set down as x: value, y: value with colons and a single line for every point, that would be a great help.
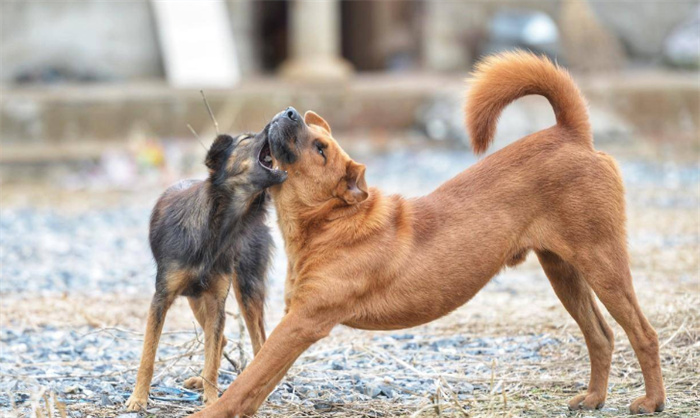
x: 500, y: 79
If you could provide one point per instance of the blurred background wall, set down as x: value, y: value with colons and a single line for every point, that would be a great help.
x: 118, y: 40
x: 80, y: 78
x: 95, y: 41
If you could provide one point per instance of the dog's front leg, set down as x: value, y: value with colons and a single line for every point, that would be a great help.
x: 297, y: 331
x: 288, y: 286
x: 159, y: 307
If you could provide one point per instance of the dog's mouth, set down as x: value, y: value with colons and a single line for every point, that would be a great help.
x: 265, y: 158
x: 283, y: 140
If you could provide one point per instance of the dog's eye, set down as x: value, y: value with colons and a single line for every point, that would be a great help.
x: 319, y: 148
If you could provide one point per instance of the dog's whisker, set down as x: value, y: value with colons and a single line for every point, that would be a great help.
x: 196, y: 136
x: 211, y: 114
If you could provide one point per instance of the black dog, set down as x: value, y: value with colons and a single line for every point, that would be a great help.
x: 204, y: 236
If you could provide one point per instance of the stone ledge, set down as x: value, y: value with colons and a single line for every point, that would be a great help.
x: 656, y: 103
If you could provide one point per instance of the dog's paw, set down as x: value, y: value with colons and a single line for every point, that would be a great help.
x: 136, y: 403
x: 587, y: 401
x: 645, y: 405
x: 194, y: 382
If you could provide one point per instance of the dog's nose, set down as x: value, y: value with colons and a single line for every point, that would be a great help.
x: 292, y: 114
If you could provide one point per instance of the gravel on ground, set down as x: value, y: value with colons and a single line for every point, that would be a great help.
x: 77, y: 279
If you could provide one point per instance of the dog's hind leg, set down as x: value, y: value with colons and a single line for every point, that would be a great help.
x: 249, y: 283
x: 606, y: 269
x: 199, y: 308
x: 577, y: 298
x: 252, y: 307
x: 159, y: 307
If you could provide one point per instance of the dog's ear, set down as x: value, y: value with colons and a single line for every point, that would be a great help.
x: 356, y: 186
x: 312, y: 118
x: 218, y: 152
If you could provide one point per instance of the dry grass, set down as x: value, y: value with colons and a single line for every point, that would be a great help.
x: 538, y: 387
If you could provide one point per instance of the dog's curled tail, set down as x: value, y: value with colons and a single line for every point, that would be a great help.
x: 500, y: 79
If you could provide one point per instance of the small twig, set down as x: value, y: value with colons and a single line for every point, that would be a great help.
x: 398, y: 360
x: 207, y: 381
x: 673, y: 336
x: 12, y: 401
x: 233, y: 314
x: 437, y: 398
x: 453, y: 396
x: 241, y: 333
x: 234, y: 363
x: 196, y: 333
x: 196, y: 136
x: 49, y: 410
x: 107, y: 330
x: 422, y: 409
x: 211, y: 114
x: 188, y: 350
x: 60, y: 406
x: 492, y: 385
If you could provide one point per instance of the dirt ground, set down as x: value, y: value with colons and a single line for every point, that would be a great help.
x: 511, y: 351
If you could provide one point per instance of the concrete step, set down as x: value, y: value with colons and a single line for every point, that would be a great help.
x: 63, y: 114
x: 656, y: 103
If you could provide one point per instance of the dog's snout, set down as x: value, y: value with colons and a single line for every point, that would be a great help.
x: 292, y: 114
x: 289, y: 114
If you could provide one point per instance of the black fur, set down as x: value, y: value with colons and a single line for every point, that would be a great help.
x: 216, y: 226
x: 217, y: 156
x: 202, y: 234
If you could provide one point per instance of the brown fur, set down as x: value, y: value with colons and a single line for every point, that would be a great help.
x: 386, y: 262
x: 500, y: 79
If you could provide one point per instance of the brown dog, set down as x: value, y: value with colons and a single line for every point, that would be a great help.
x: 367, y: 260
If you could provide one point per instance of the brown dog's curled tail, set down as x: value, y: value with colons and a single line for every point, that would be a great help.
x: 500, y: 79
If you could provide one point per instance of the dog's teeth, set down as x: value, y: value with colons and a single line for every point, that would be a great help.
x: 268, y: 159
